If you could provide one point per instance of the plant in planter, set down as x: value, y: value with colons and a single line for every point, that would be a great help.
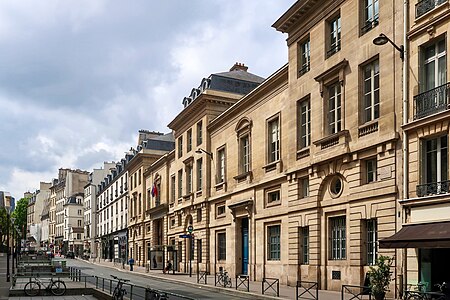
x: 380, y: 277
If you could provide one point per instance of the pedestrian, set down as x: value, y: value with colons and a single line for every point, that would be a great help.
x: 154, y: 262
x: 168, y: 267
x: 131, y: 262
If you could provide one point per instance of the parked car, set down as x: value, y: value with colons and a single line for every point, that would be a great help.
x: 70, y: 254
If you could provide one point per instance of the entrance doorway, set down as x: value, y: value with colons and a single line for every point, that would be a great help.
x: 244, y: 234
x: 434, y: 266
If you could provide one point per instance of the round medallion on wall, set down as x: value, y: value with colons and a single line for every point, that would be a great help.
x: 336, y: 186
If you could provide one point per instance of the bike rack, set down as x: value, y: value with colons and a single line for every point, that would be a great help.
x: 243, y: 280
x: 273, y: 284
x: 202, y: 276
x: 310, y: 290
x: 363, y: 291
x: 217, y: 278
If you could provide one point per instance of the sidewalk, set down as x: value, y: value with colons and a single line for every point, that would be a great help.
x: 255, y: 287
x: 4, y: 286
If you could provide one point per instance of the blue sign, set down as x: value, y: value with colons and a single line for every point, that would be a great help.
x: 185, y: 236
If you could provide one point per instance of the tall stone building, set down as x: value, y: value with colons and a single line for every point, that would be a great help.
x: 35, y: 210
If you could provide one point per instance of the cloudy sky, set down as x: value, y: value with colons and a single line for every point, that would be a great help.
x: 79, y: 78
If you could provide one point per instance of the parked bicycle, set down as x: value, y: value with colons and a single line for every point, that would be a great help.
x: 56, y: 287
x: 421, y: 294
x: 119, y: 291
x: 224, y: 280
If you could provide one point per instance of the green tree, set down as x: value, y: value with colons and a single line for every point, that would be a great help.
x: 3, y: 224
x: 20, y: 216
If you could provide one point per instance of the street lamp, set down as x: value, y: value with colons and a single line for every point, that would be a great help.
x: 13, y: 220
x: 8, y: 276
x: 382, y: 39
x: 200, y: 150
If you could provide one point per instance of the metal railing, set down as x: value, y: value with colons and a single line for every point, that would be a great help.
x: 202, y: 277
x: 433, y: 188
x: 307, y: 290
x: 431, y: 102
x: 422, y: 7
x: 243, y: 281
x: 369, y: 24
x: 272, y: 285
x: 356, y: 292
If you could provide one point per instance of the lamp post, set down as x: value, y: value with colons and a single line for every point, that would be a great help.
x: 8, y: 276
x: 200, y: 150
x: 382, y: 39
x: 13, y: 243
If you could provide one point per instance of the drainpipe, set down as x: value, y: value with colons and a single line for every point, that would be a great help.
x: 405, y: 121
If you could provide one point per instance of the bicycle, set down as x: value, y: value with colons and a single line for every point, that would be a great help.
x: 119, y: 291
x: 422, y: 294
x: 224, y: 279
x: 155, y: 295
x: 56, y: 287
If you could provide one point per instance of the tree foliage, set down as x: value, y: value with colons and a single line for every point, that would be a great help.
x: 3, y: 225
x: 20, y: 216
x: 380, y: 276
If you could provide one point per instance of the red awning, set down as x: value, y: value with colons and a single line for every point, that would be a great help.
x: 430, y: 235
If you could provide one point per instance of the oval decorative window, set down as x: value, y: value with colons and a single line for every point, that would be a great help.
x: 336, y: 186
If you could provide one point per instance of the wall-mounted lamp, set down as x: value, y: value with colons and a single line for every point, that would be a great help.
x: 200, y: 150
x: 382, y: 39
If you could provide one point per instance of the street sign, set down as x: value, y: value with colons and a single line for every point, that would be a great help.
x: 190, y: 228
x: 185, y: 236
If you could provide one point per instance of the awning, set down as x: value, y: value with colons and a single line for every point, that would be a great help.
x: 431, y: 235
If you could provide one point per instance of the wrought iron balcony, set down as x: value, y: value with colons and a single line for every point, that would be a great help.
x: 334, y: 49
x: 304, y: 69
x: 369, y: 25
x: 433, y: 188
x: 424, y: 6
x: 431, y: 102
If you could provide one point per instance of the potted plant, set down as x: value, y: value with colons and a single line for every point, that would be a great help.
x: 380, y: 277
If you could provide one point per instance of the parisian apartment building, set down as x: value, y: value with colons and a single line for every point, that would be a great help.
x: 311, y: 174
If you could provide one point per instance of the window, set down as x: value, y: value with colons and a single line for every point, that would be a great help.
x: 139, y: 178
x: 336, y: 186
x: 371, y: 106
x: 334, y: 29
x: 79, y: 236
x: 79, y: 212
x: 173, y: 188
x: 199, y: 133
x: 244, y: 154
x: 199, y: 174
x: 221, y: 165
x: 370, y: 15
x: 304, y: 187
x: 304, y: 245
x: 172, y: 222
x: 434, y: 166
x: 199, y: 214
x: 189, y: 140
x: 221, y: 246
x: 337, y: 238
x: 370, y: 166
x: 188, y: 179
x: 274, y: 140
x: 273, y: 239
x: 424, y: 6
x: 273, y: 197
x: 220, y: 210
x: 180, y: 146
x: 304, y: 115
x: 334, y: 108
x: 79, y: 223
x: 199, y: 251
x: 304, y: 60
x: 372, y: 237
x: 180, y: 183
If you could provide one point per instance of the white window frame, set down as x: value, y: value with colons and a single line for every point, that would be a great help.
x: 371, y: 93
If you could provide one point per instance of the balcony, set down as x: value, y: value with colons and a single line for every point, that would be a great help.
x: 334, y: 48
x: 433, y: 188
x: 424, y: 6
x: 369, y: 24
x: 431, y: 102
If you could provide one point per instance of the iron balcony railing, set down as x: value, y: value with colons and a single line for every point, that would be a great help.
x: 431, y: 102
x: 424, y: 6
x: 369, y: 24
x: 433, y: 188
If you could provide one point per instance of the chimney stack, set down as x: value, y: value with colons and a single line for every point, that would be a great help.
x: 238, y: 66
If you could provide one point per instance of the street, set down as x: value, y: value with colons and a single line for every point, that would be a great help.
x: 144, y: 281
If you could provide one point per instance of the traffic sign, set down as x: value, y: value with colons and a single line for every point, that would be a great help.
x: 190, y: 228
x: 185, y: 236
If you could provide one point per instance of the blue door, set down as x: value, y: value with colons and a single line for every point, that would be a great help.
x: 245, y: 246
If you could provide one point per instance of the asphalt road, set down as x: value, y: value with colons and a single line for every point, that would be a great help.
x: 140, y: 280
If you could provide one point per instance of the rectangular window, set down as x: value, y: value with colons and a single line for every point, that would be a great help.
x: 304, y: 60
x: 180, y: 146
x: 199, y: 133
x: 244, y: 154
x: 304, y: 116
x: 304, y: 245
x: 220, y: 210
x: 180, y: 183
x: 372, y: 237
x: 273, y: 197
x: 199, y: 174
x: 434, y: 177
x: 304, y: 187
x: 172, y: 222
x: 334, y: 108
x: 371, y: 91
x: 273, y: 240
x: 199, y: 251
x: 173, y: 188
x: 334, y: 29
x: 370, y: 170
x: 274, y: 140
x: 221, y: 246
x: 79, y: 223
x: 199, y: 214
x: 189, y: 140
x: 370, y: 15
x: 337, y: 238
x: 221, y: 165
x: 188, y: 179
